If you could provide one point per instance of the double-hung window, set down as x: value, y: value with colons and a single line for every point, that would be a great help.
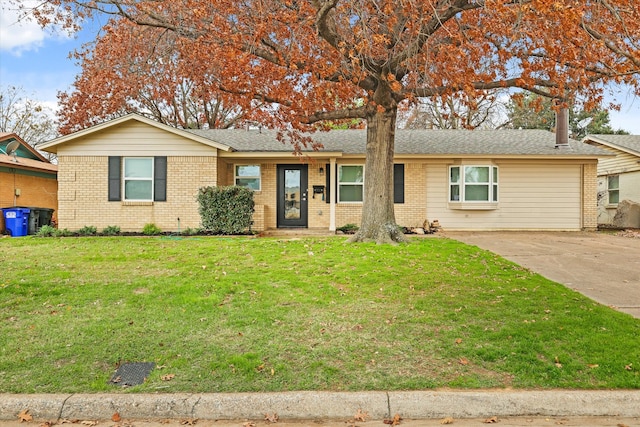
x: 350, y: 183
x: 248, y: 176
x: 138, y: 178
x: 613, y: 189
x: 473, y: 184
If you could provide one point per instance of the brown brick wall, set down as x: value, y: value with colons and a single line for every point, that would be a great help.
x: 35, y: 191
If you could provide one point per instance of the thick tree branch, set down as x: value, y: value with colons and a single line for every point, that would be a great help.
x: 347, y: 113
x: 443, y: 12
x: 499, y: 84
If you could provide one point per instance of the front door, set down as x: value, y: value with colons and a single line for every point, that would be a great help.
x: 292, y: 196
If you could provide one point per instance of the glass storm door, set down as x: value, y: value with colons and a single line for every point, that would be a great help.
x: 292, y: 196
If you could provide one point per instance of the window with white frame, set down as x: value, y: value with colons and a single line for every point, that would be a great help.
x: 613, y: 189
x: 473, y: 184
x: 138, y: 178
x: 248, y: 176
x: 350, y: 183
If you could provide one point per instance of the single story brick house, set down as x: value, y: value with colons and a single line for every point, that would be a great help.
x: 132, y: 171
x: 27, y: 178
x: 618, y: 175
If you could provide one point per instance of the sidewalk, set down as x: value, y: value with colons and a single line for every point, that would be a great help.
x: 478, y: 422
x: 296, y: 406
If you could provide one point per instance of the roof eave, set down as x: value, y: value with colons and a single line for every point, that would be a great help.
x: 25, y: 144
x: 610, y: 145
x: 279, y: 154
x: 51, y: 146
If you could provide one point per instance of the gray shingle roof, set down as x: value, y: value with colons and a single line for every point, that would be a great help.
x: 630, y: 142
x: 425, y: 142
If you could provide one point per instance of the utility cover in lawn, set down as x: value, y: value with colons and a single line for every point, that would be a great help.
x: 130, y: 374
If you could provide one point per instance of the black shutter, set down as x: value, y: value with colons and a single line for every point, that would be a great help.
x: 114, y: 179
x: 327, y: 185
x: 160, y: 179
x: 398, y: 183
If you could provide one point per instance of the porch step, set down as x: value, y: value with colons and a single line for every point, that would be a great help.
x: 297, y: 232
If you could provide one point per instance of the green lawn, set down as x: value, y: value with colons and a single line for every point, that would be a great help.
x: 266, y: 314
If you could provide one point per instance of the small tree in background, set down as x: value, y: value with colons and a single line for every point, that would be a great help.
x: 531, y: 111
x: 30, y: 120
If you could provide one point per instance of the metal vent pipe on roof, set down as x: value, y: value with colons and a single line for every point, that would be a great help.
x: 562, y: 127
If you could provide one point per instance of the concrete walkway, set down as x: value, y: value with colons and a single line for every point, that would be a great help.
x: 603, y: 266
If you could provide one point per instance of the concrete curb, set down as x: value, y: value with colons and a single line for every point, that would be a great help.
x: 324, y: 405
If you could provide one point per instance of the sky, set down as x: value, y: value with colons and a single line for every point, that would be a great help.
x: 37, y: 61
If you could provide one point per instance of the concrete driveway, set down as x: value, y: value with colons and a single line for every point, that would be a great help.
x: 602, y: 266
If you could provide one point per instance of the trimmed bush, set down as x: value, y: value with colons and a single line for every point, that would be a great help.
x: 111, y: 230
x: 88, y: 230
x: 46, y: 231
x: 151, y: 230
x: 348, y: 228
x: 226, y: 210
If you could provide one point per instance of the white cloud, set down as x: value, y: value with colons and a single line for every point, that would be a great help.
x: 22, y: 33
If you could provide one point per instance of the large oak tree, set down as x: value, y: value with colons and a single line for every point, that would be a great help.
x: 312, y: 58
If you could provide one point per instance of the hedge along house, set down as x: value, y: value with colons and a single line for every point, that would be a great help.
x: 618, y: 177
x: 27, y: 178
x: 132, y: 171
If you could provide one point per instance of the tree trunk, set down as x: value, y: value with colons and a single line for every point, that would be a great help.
x: 378, y: 218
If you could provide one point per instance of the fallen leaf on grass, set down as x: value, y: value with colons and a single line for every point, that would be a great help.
x: 459, y: 341
x: 629, y: 367
x: 447, y: 420
x: 272, y: 418
x: 557, y: 363
x: 592, y: 365
x: 463, y: 361
x: 168, y: 377
x: 491, y: 420
x: 395, y: 421
x: 24, y: 416
x: 116, y: 418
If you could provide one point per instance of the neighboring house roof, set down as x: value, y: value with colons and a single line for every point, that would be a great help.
x: 26, y: 157
x: 51, y: 146
x: 415, y: 142
x: 627, y: 143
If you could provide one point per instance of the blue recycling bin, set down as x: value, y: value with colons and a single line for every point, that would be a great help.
x: 16, y: 221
